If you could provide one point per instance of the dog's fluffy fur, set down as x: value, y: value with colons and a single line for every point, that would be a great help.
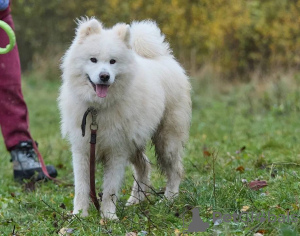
x: 148, y: 98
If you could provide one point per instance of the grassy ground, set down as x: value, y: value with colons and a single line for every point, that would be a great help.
x: 238, y: 134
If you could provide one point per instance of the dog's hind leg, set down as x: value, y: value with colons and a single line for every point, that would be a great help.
x: 169, y: 156
x: 141, y: 168
x: 169, y: 143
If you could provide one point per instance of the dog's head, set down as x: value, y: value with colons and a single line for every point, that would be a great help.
x: 98, y: 56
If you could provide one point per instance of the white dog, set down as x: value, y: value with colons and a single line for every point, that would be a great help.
x: 130, y: 76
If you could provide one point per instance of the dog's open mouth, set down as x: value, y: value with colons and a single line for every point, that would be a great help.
x: 100, y: 89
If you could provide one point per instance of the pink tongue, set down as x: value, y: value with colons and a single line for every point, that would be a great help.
x: 101, y: 90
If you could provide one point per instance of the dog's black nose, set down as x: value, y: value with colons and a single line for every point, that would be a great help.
x: 104, y: 76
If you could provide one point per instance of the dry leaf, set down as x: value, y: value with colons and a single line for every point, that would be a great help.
x: 131, y: 234
x: 63, y: 206
x: 209, y: 210
x: 103, y: 222
x: 206, y: 153
x: 66, y: 231
x: 62, y: 231
x: 241, y: 169
x: 257, y: 184
x: 177, y: 232
x: 60, y: 166
x: 261, y: 231
x: 245, y: 208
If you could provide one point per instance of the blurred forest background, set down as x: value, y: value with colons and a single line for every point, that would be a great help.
x: 231, y: 38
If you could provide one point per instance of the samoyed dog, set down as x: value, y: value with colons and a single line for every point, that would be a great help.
x: 141, y: 93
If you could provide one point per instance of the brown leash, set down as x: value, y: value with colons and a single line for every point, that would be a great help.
x: 93, y: 128
x: 41, y: 160
x: 44, y: 167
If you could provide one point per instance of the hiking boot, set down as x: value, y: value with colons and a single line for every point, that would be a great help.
x: 26, y: 165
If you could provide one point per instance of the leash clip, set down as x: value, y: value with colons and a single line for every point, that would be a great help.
x: 93, y: 125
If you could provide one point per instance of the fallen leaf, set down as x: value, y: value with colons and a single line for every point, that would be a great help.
x: 209, y: 210
x: 63, y: 206
x: 177, y: 232
x: 261, y: 231
x: 241, y: 169
x: 257, y: 184
x: 66, y: 231
x: 206, y: 153
x: 103, y: 222
x: 131, y: 234
x: 245, y: 208
x: 60, y: 166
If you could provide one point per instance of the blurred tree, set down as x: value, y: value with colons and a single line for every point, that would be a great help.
x: 234, y: 36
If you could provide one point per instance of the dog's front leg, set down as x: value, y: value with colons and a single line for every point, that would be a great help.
x: 114, y: 169
x: 82, y: 184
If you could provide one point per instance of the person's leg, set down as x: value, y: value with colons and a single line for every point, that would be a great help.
x: 13, y: 110
x: 14, y: 115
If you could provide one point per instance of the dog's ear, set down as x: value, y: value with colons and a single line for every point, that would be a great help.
x: 123, y: 31
x: 87, y: 27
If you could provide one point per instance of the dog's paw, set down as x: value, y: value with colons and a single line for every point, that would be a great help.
x: 171, y: 195
x: 80, y: 212
x: 136, y: 198
x: 109, y: 216
x: 133, y: 201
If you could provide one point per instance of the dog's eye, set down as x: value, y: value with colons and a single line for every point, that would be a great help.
x: 94, y: 60
x: 112, y: 61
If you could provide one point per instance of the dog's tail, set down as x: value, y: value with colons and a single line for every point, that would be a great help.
x: 147, y: 40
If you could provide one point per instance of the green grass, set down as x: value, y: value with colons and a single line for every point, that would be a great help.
x: 225, y: 118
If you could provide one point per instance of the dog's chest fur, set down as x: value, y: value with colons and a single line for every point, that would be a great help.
x: 127, y: 126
